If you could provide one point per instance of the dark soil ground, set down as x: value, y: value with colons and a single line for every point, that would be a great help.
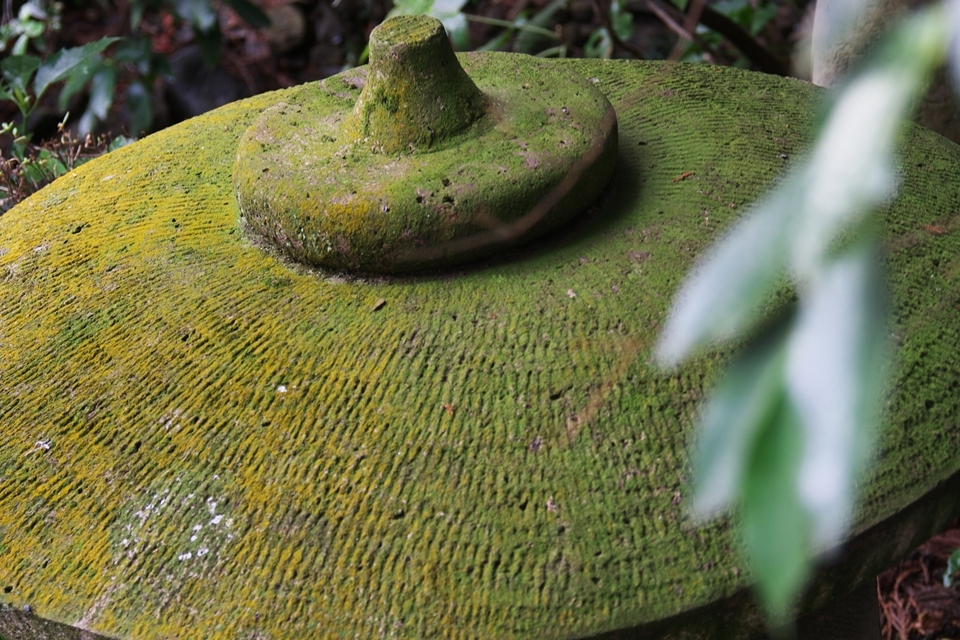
x: 312, y: 39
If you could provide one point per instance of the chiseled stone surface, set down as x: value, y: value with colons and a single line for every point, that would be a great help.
x: 198, y: 439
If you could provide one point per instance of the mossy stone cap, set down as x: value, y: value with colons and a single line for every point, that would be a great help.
x: 200, y: 440
x: 413, y: 164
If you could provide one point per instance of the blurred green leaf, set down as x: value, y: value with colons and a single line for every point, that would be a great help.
x: 953, y: 565
x: 20, y: 46
x: 776, y: 528
x: 739, y: 409
x: 102, y: 88
x: 137, y: 9
x: 849, y: 172
x: 792, y: 425
x: 65, y: 62
x: 599, y: 44
x: 101, y: 92
x: 199, y: 13
x: 836, y: 369
x: 621, y: 19
x: 851, y: 169
x: 120, y: 141
x: 734, y: 278
x: 448, y: 12
x: 74, y: 84
x: 17, y: 70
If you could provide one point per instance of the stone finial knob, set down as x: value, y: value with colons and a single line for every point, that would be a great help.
x: 416, y: 94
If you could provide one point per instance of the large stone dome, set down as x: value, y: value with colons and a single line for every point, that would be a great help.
x: 199, y: 439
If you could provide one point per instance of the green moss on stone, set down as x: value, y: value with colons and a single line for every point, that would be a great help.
x: 482, y: 453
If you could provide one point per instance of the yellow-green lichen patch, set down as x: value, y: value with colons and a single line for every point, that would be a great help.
x: 484, y: 453
x: 330, y: 196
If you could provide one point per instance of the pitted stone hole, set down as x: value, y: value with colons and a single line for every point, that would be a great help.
x: 8, y: 589
x: 399, y: 515
x: 445, y: 182
x: 523, y: 505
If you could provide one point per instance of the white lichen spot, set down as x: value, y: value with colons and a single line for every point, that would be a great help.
x: 571, y: 294
x: 216, y: 520
x: 202, y: 552
x: 184, y: 556
x: 282, y: 389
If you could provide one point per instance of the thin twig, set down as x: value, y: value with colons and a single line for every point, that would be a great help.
x: 496, y: 22
x: 742, y: 40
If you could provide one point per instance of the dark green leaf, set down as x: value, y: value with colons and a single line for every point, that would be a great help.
x: 68, y: 61
x: 953, y: 565
x: 251, y: 13
x: 140, y: 105
x: 209, y: 44
x: 137, y: 8
x: 74, y: 84
x: 776, y: 528
x: 120, y: 141
x: 20, y: 46
x: 621, y: 20
x: 17, y: 70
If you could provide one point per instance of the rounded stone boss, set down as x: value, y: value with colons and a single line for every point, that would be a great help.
x: 208, y: 431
